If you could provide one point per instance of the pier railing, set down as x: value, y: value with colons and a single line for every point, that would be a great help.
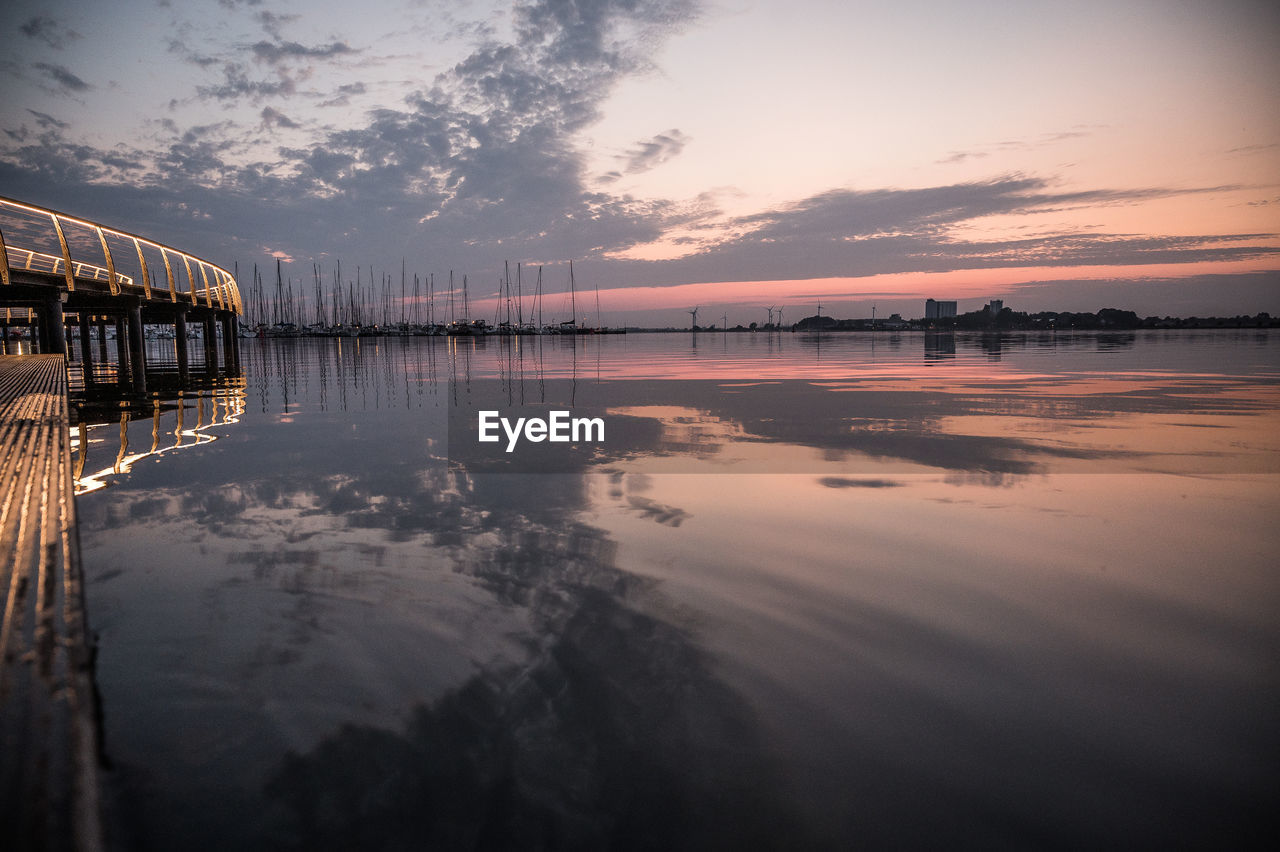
x: 36, y: 261
x: 38, y: 240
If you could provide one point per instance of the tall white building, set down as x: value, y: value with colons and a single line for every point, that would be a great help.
x: 934, y: 309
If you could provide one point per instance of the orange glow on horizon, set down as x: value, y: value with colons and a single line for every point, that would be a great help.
x: 955, y: 284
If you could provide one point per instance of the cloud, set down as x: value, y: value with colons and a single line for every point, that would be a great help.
x: 1246, y: 292
x: 47, y: 121
x: 180, y: 49
x: 649, y: 154
x: 272, y: 22
x: 858, y: 233
x: 343, y: 95
x: 481, y: 159
x: 848, y: 214
x: 275, y: 53
x: 486, y: 154
x: 1254, y: 149
x: 237, y: 84
x: 1023, y: 144
x: 847, y: 482
x: 64, y: 78
x: 52, y: 32
x: 961, y: 156
x: 483, y: 162
x: 274, y: 118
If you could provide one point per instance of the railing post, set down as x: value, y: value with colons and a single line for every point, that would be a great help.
x: 66, y: 253
x: 168, y: 271
x: 4, y: 262
x: 146, y: 275
x: 113, y: 282
x: 186, y: 262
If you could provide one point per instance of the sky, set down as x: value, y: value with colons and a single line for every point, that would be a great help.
x: 725, y: 154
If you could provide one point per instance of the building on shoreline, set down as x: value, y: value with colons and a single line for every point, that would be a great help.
x: 934, y: 309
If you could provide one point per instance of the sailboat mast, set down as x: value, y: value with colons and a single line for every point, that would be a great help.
x: 596, y: 285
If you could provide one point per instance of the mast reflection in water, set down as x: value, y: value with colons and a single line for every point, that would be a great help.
x: 991, y: 590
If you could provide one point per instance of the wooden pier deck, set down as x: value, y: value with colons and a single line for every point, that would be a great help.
x: 48, y: 731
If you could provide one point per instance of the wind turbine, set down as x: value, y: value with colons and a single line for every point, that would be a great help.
x: 780, y: 317
x: 694, y: 314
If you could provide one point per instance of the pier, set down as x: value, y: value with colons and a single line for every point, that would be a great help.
x: 66, y: 279
x: 48, y: 729
x: 61, y: 272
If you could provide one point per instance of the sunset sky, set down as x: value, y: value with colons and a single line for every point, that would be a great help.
x: 730, y: 154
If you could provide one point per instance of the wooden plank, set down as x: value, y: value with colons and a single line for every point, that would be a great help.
x: 48, y: 733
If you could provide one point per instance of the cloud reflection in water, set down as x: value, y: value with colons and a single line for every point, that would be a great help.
x: 315, y: 633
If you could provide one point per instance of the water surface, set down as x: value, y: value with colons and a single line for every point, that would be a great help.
x: 875, y: 589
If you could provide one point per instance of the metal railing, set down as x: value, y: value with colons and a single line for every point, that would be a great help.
x: 37, y: 261
x: 205, y: 283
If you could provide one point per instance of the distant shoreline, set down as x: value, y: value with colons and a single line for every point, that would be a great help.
x: 985, y: 320
x: 1164, y: 324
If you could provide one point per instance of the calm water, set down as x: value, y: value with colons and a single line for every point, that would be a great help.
x: 901, y: 590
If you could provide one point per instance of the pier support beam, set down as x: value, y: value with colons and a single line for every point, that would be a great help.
x: 229, y: 354
x: 137, y: 350
x: 210, y: 345
x: 53, y: 332
x: 39, y: 332
x: 122, y: 350
x: 86, y: 348
x: 180, y: 344
x: 102, y: 339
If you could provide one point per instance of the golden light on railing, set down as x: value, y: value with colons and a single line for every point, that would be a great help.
x: 227, y: 407
x: 4, y: 262
x: 30, y: 260
x: 223, y: 289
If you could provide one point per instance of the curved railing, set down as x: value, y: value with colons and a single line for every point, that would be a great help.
x: 225, y: 402
x: 37, y: 261
x: 36, y: 239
